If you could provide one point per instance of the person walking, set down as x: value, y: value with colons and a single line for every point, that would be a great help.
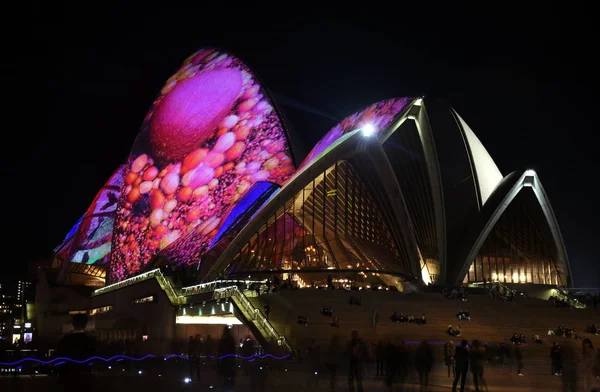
x: 333, y: 360
x: 519, y: 357
x: 588, y: 360
x: 555, y: 358
x: 392, y: 361
x: 569, y: 368
x: 477, y: 361
x: 226, y: 365
x: 423, y: 364
x: 461, y: 358
x: 357, y: 353
x: 380, y: 358
x: 192, y: 355
x: 78, y: 346
x: 449, y: 350
x: 375, y: 317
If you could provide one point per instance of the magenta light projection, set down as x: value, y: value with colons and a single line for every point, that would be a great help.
x: 380, y: 115
x: 89, y: 241
x: 209, y: 136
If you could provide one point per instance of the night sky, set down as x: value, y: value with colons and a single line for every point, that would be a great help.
x: 80, y: 81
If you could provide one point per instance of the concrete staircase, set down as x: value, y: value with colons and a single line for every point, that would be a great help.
x: 492, y: 321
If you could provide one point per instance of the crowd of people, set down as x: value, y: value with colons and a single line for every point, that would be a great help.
x: 561, y: 303
x: 408, y: 318
x: 502, y: 293
x: 455, y: 293
x: 564, y: 332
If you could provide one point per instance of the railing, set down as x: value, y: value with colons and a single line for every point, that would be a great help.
x: 507, y: 289
x: 128, y: 282
x: 558, y: 293
x: 211, y: 286
x: 169, y: 290
x: 165, y: 285
x: 252, y: 314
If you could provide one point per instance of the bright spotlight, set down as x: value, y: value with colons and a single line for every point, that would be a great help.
x: 368, y: 130
x: 187, y: 380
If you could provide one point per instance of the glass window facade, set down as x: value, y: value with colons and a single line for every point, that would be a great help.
x: 332, y: 223
x: 520, y: 247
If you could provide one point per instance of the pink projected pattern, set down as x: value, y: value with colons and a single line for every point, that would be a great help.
x: 380, y: 115
x: 209, y: 136
x: 90, y: 241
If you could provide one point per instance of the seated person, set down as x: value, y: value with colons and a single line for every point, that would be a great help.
x: 422, y: 320
x: 335, y: 322
x: 410, y: 319
x: 395, y: 318
x: 463, y: 315
x: 568, y: 332
x: 303, y: 320
x: 575, y: 335
x: 327, y: 311
x: 453, y: 332
x: 403, y: 317
x: 593, y: 329
x: 515, y: 339
x: 536, y: 339
x: 522, y: 338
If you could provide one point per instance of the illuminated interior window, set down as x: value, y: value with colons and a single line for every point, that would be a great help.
x: 334, y: 222
x: 144, y: 300
x: 520, y: 248
x: 92, y: 312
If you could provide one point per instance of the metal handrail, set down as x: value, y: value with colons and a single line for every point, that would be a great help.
x: 565, y: 297
x: 210, y: 286
x: 164, y: 284
x: 251, y: 313
x: 169, y: 290
x: 127, y: 282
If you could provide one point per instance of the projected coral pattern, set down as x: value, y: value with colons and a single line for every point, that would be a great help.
x: 380, y: 115
x: 209, y: 136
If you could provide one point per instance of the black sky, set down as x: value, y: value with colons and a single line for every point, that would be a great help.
x: 79, y: 82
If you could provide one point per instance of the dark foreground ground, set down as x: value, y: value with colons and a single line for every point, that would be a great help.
x: 280, y: 377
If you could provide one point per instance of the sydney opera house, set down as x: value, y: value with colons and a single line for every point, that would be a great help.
x: 401, y: 193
